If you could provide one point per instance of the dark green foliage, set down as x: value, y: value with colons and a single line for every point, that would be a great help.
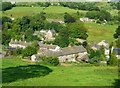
x: 16, y: 52
x: 118, y: 42
x: 102, y: 49
x: 31, y: 49
x: 93, y: 53
x: 68, y: 18
x: 62, y: 39
x: 6, y: 6
x: 77, y: 30
x: 113, y: 61
x: 81, y: 6
x: 5, y: 35
x: 50, y: 60
x: 29, y: 35
x: 117, y: 32
x: 102, y: 57
x: 94, y: 60
x: 53, y: 25
x: 5, y: 19
x: 101, y: 15
x: 5, y: 38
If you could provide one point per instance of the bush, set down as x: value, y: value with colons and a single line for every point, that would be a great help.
x: 94, y: 60
x: 50, y: 60
x: 113, y: 61
x: 16, y: 52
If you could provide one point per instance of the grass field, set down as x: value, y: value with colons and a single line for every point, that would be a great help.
x: 99, y: 32
x: 20, y: 73
x: 56, y: 10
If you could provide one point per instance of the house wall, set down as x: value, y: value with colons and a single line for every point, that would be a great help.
x: 17, y: 45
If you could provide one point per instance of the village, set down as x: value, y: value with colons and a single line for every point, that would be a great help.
x: 60, y: 44
x: 67, y: 54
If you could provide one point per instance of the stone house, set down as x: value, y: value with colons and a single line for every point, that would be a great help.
x: 19, y: 44
x: 46, y: 35
x: 97, y: 46
x: 69, y: 54
x: 86, y: 19
x: 49, y: 47
x: 117, y: 50
x: 54, y: 20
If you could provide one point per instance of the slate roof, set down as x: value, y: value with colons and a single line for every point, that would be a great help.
x: 63, y: 51
x: 47, y: 46
x: 117, y: 50
x: 20, y: 42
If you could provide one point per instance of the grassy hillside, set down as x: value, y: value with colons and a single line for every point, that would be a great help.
x: 20, y: 73
x: 56, y: 10
x: 98, y: 32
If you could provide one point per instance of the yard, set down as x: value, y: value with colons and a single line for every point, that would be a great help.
x: 20, y: 73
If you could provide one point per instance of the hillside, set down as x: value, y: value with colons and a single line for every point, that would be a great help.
x: 42, y: 75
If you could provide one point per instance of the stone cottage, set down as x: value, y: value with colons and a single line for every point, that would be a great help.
x: 49, y: 47
x: 19, y: 44
x: 46, y: 35
x: 117, y: 50
x: 86, y: 19
x: 69, y: 54
x: 97, y: 46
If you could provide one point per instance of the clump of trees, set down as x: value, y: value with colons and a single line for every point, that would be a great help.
x: 36, y: 4
x: 101, y: 15
x: 95, y: 56
x: 62, y: 39
x: 6, y: 6
x: 50, y: 60
x: 80, y: 5
x: 113, y: 61
x: 73, y: 29
x: 68, y: 18
x: 30, y: 50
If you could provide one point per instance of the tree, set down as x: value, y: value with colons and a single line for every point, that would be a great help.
x: 113, y: 61
x: 5, y: 19
x: 117, y: 32
x: 50, y: 60
x: 102, y: 49
x: 53, y: 25
x: 77, y: 30
x: 29, y: 50
x: 63, y: 38
x: 6, y: 6
x: 118, y: 42
x: 102, y: 57
x: 68, y: 18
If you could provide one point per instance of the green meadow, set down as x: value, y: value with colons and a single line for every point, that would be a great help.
x: 21, y: 73
x: 99, y: 32
x: 56, y: 10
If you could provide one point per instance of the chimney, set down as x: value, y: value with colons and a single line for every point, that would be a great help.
x: 19, y: 40
x: 11, y: 40
x: 15, y: 40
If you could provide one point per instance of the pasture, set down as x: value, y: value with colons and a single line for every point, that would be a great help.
x: 99, y: 32
x: 20, y: 73
x: 56, y: 10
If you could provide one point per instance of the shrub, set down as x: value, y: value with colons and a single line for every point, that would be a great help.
x: 113, y: 61
x: 94, y: 60
x: 50, y: 60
